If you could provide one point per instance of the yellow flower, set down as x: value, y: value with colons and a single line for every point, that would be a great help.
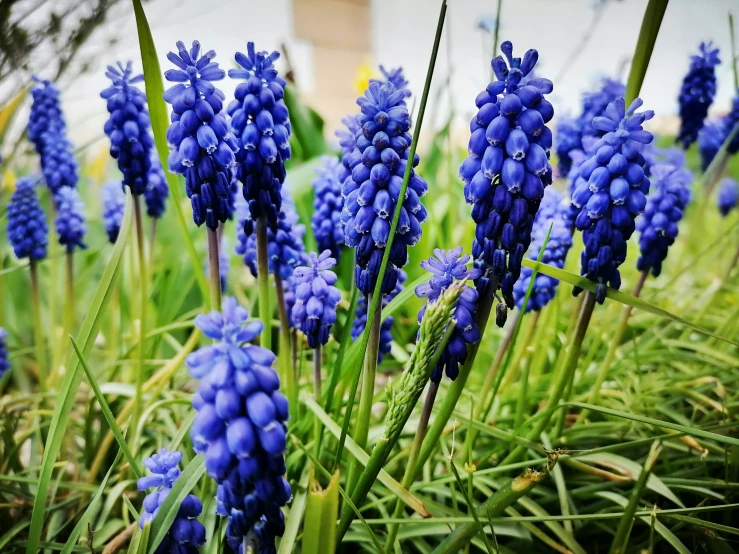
x: 8, y: 181
x: 364, y: 74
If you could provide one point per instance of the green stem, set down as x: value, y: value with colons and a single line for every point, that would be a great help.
x: 733, y: 51
x: 51, y: 290
x: 564, y: 376
x: 521, y: 405
x: 38, y: 332
x: 142, y: 312
x: 215, y: 270
x: 496, y: 33
x: 265, y: 313
x: 69, y: 296
x: 152, y: 237
x: 615, y: 343
x: 644, y: 46
x: 287, y: 368
x: 317, y: 373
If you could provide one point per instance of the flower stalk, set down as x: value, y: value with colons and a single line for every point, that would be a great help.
x: 288, y: 355
x: 143, y: 296
x: 265, y: 313
x: 38, y: 333
x: 214, y: 269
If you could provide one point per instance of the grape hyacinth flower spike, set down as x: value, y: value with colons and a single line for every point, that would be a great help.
x: 507, y: 169
x: 157, y: 190
x: 396, y: 77
x: 566, y: 139
x: 70, y: 219
x: 186, y: 534
x: 348, y: 142
x: 327, y: 205
x: 240, y: 426
x: 710, y: 139
x: 27, y: 230
x: 114, y: 205
x: 697, y: 92
x: 316, y: 298
x: 728, y: 195
x: 371, y: 192
x: 4, y: 362
x: 610, y: 191
x: 447, y: 268
x: 553, y: 214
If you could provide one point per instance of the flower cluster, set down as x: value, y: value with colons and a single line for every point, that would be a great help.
x: 348, y: 142
x: 316, y: 298
x: 261, y: 123
x: 610, y: 191
x: 669, y: 195
x: 710, y: 139
x: 728, y: 195
x: 114, y: 205
x: 202, y: 146
x: 371, y: 192
x: 507, y: 168
x: 27, y: 228
x: 594, y: 104
x: 386, y: 327
x: 48, y: 132
x: 446, y: 268
x: 240, y: 426
x: 697, y: 92
x: 4, y: 363
x: 552, y: 219
x: 327, y: 205
x: 396, y: 78
x: 285, y: 248
x: 186, y: 533
x: 566, y: 140
x: 157, y: 190
x: 70, y: 218
x: 128, y: 127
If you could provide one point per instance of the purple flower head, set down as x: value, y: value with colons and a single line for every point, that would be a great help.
x: 610, y: 191
x: 114, y: 205
x: 128, y: 127
x: 728, y: 194
x: 554, y: 213
x: 371, y: 192
x: 70, y: 218
x: 201, y: 144
x: 327, y: 205
x: 316, y: 298
x: 566, y: 140
x: 710, y: 138
x: 46, y: 112
x: 348, y: 142
x: 386, y: 335
x: 4, y: 362
x: 157, y: 190
x: 27, y: 230
x: 396, y: 77
x: 446, y: 268
x: 666, y: 202
x: 507, y: 169
x: 594, y: 104
x: 240, y: 426
x: 697, y: 92
x: 261, y: 124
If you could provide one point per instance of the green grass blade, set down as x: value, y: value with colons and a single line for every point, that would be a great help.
x: 109, y: 417
x: 167, y: 513
x: 68, y: 390
x: 644, y: 47
x: 158, y: 115
x: 295, y: 516
x: 319, y: 529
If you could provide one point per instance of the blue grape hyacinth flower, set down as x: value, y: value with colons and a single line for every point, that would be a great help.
x: 595, y: 103
x: 348, y: 142
x: 610, y: 191
x: 658, y: 225
x: 327, y: 205
x: 240, y: 426
x: 316, y: 298
x: 128, y: 127
x: 27, y: 230
x: 114, y: 206
x: 70, y: 218
x: 728, y: 195
x: 46, y: 112
x: 730, y: 121
x: 507, y: 169
x: 186, y: 533
x: 201, y: 144
x: 4, y: 362
x: 447, y: 267
x: 697, y: 92
x: 396, y: 77
x: 554, y: 213
x: 371, y: 192
x: 566, y: 139
x: 710, y: 139
x: 261, y: 123
x: 157, y: 190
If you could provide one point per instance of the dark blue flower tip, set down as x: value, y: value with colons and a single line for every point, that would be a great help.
x: 157, y: 190
x: 4, y: 361
x: 552, y: 219
x: 128, y: 127
x: 202, y: 146
x: 328, y: 203
x: 316, y: 298
x: 728, y: 194
x: 360, y: 318
x: 710, y: 138
x: 70, y: 218
x: 27, y: 230
x: 260, y: 123
x: 447, y: 267
x: 508, y: 167
x: 114, y: 206
x: 697, y: 93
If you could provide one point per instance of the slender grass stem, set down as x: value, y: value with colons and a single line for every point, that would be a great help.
x: 143, y: 297
x: 286, y: 367
x: 51, y: 288
x: 152, y: 237
x: 612, y: 347
x: 214, y: 270
x: 69, y: 295
x: 38, y: 332
x: 563, y: 377
x: 522, y: 403
x: 265, y: 313
x: 317, y: 373
x: 496, y: 33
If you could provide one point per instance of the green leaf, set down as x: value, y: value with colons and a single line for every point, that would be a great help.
x: 304, y: 127
x: 319, y: 529
x: 68, y: 390
x: 158, y: 115
x: 168, y: 510
x: 644, y: 47
x: 618, y: 296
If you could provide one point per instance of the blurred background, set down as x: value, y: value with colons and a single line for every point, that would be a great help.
x: 334, y: 46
